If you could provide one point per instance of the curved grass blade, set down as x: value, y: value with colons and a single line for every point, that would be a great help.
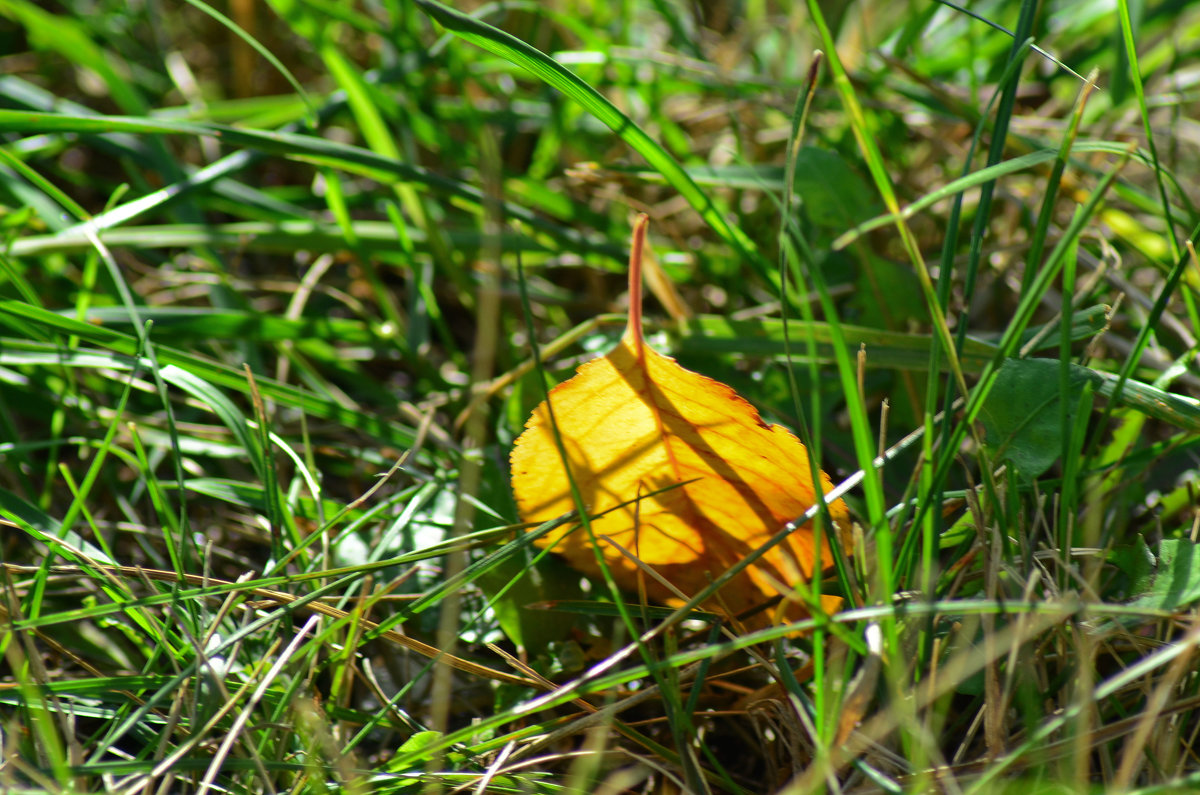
x: 977, y: 178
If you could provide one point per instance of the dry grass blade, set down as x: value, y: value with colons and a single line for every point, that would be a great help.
x: 283, y: 599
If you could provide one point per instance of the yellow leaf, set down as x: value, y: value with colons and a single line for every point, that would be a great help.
x: 634, y: 422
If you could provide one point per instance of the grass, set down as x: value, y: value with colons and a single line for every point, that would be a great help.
x: 271, y: 292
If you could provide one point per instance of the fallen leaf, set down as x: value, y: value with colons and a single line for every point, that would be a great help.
x: 635, y: 422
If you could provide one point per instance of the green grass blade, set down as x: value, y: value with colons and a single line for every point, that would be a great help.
x: 547, y: 69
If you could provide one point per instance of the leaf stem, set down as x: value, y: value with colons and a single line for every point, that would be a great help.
x: 633, y: 332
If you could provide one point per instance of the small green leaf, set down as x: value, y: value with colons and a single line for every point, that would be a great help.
x: 522, y: 584
x: 835, y: 196
x: 1174, y: 583
x: 887, y: 295
x: 1021, y: 414
x: 419, y: 742
x: 1137, y: 562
